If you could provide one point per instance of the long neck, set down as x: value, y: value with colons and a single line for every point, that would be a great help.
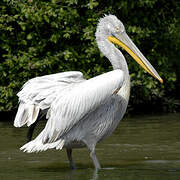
x: 111, y: 52
x: 116, y: 58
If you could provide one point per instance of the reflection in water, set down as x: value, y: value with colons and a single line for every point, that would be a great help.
x: 94, y: 174
x: 71, y: 174
x: 142, y: 147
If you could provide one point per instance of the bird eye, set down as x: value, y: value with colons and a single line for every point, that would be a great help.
x: 117, y: 29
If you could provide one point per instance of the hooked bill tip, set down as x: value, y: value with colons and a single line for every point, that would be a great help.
x: 161, y: 81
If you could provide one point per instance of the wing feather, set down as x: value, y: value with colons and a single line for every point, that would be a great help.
x: 75, y: 103
x: 38, y: 94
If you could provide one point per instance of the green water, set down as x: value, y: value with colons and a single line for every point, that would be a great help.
x: 143, y: 147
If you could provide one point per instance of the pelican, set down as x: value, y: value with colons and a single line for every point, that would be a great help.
x: 80, y: 112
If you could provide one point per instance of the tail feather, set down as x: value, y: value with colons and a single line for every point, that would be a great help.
x: 37, y: 145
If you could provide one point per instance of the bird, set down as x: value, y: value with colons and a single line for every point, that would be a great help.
x: 81, y: 112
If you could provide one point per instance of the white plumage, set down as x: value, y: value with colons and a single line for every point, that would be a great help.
x: 39, y: 93
x: 80, y: 112
x: 73, y: 103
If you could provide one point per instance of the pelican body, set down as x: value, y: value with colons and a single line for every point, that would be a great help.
x: 81, y: 112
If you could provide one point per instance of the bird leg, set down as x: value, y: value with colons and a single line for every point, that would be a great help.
x: 94, y: 158
x: 69, y: 155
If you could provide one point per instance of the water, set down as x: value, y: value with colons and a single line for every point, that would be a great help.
x: 143, y: 147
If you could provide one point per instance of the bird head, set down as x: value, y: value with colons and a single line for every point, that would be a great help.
x: 115, y: 32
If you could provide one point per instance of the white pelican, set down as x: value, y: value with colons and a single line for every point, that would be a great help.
x: 81, y: 112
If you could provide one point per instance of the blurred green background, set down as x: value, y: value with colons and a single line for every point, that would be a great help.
x: 45, y: 37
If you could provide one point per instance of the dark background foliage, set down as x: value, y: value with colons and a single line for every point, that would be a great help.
x: 45, y: 37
